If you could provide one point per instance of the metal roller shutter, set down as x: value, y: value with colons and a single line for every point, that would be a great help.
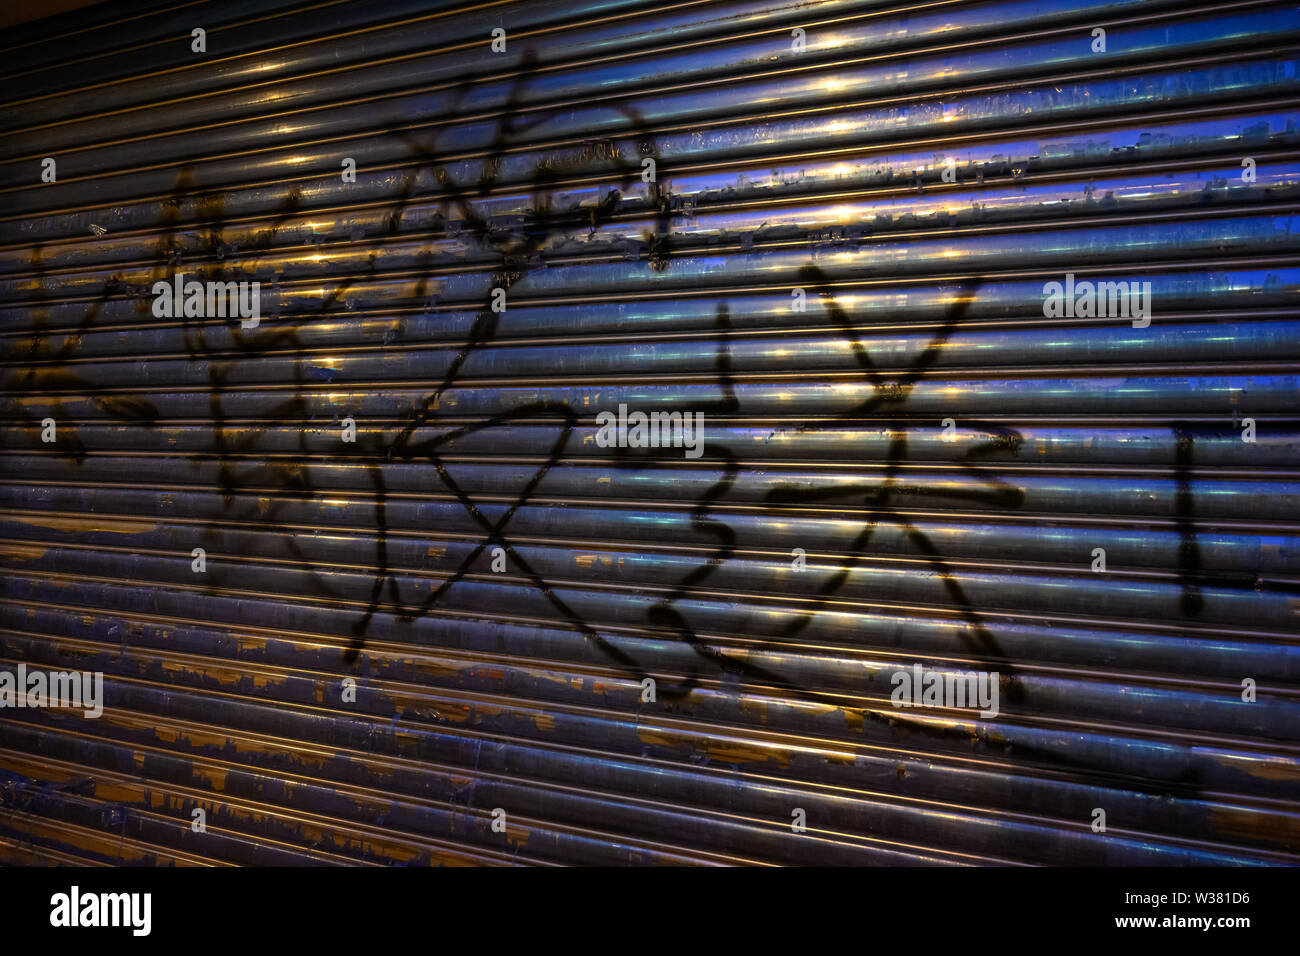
x: 836, y: 239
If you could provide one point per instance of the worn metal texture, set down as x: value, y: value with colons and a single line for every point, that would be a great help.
x: 479, y: 635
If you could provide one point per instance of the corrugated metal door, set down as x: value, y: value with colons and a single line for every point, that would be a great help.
x: 373, y: 579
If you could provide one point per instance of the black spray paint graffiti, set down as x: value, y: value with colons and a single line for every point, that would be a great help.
x: 517, y: 253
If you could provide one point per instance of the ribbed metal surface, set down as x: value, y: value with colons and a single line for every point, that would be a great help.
x: 968, y: 547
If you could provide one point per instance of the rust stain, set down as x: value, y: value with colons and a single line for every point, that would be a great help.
x: 723, y: 750
x: 458, y: 713
x: 22, y: 552
x: 1250, y: 825
x: 854, y: 718
x: 90, y: 523
x: 437, y: 667
x: 1265, y: 769
x: 744, y: 751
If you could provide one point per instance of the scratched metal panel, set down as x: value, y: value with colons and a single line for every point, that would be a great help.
x: 912, y: 461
